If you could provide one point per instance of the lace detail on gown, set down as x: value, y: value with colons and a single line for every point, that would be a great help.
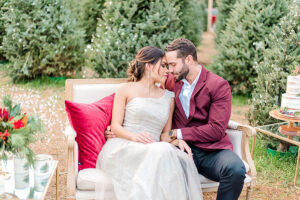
x: 156, y: 171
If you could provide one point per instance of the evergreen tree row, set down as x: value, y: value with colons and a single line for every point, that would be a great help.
x: 242, y: 41
x: 48, y: 37
x: 126, y: 26
x: 280, y: 58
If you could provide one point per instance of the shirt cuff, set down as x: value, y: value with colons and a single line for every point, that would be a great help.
x: 179, y: 134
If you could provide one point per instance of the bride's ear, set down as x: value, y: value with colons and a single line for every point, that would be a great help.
x: 147, y: 67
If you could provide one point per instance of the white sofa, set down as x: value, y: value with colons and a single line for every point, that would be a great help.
x: 82, y: 185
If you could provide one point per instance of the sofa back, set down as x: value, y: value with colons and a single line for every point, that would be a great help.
x: 90, y: 90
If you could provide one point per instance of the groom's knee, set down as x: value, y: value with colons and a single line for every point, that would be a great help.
x: 236, y: 171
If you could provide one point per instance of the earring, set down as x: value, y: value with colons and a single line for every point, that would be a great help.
x: 149, y: 81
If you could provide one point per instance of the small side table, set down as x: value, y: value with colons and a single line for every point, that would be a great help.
x: 37, y: 186
x: 272, y: 130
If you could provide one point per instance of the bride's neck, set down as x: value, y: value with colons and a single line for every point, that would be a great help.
x: 148, y: 82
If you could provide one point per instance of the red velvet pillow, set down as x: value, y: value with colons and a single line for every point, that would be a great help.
x: 90, y: 121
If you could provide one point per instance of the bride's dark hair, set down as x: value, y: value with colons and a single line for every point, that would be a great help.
x: 148, y: 54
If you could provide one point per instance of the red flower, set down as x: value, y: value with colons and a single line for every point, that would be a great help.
x: 6, y: 133
x: 18, y: 124
x: 4, y: 114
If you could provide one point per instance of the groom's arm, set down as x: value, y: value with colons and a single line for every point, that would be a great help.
x: 219, y: 115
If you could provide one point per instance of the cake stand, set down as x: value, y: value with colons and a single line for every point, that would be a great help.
x: 289, y: 130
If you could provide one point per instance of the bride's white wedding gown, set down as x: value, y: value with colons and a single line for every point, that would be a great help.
x: 156, y: 171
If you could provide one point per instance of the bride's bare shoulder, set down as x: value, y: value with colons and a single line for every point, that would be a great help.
x: 125, y: 88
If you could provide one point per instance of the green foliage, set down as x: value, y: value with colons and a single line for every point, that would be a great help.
x: 86, y: 12
x: 243, y: 41
x: 41, y: 39
x: 224, y: 9
x: 18, y: 130
x: 2, y: 30
x: 128, y: 26
x: 279, y: 60
x: 91, y: 11
x: 193, y: 17
x: 239, y: 100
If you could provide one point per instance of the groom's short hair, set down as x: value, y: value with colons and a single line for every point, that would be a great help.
x: 184, y: 47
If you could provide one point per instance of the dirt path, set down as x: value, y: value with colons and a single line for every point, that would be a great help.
x: 207, y: 49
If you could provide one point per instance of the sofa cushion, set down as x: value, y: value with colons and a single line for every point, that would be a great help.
x: 88, y: 178
x: 207, y: 183
x: 89, y: 122
x: 91, y: 195
x: 235, y: 137
x: 246, y: 166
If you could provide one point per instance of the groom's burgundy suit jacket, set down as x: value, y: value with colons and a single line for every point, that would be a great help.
x: 210, y: 108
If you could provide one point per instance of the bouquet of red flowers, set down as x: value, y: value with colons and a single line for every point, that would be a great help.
x: 18, y: 130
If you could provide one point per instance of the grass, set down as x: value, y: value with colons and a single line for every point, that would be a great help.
x: 239, y: 100
x: 273, y: 169
x: 43, y: 82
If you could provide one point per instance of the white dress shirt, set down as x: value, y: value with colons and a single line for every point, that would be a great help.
x: 185, y: 98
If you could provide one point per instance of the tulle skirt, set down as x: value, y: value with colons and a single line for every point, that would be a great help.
x: 156, y: 171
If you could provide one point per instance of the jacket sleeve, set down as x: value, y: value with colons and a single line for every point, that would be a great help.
x: 219, y: 115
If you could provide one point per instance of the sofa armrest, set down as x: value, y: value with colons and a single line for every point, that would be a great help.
x: 248, y: 131
x: 71, y: 176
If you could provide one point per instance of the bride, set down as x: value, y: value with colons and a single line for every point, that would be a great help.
x: 141, y: 162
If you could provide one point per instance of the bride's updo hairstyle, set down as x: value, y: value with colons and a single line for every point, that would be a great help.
x: 148, y: 54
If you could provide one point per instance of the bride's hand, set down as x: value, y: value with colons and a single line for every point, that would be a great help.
x: 109, y: 134
x: 183, y: 146
x: 144, y: 137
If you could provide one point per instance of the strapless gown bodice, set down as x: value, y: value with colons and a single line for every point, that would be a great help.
x: 148, y: 114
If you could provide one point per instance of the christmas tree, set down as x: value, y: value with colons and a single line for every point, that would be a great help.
x: 193, y: 19
x: 243, y: 41
x: 91, y: 12
x: 282, y: 56
x: 87, y: 13
x: 41, y: 39
x: 2, y: 30
x: 127, y: 26
x: 224, y: 9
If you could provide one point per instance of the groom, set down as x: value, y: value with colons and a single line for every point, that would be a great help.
x: 201, y: 115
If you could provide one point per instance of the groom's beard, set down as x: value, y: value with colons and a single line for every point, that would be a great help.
x: 183, y: 73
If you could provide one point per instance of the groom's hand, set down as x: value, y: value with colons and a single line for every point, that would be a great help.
x: 183, y: 146
x: 108, y: 134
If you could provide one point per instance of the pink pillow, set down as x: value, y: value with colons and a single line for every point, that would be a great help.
x: 90, y: 121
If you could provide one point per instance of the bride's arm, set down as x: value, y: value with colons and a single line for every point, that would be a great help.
x: 118, y: 117
x: 164, y: 137
x: 165, y: 133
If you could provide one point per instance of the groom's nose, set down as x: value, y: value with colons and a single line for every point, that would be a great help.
x: 170, y: 70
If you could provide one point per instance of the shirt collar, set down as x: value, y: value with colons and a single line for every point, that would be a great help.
x: 186, y: 83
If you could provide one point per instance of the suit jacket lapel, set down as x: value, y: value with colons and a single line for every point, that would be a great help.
x: 198, y: 87
x: 178, y: 88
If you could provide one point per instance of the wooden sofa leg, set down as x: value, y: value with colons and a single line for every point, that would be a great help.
x: 249, y: 193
